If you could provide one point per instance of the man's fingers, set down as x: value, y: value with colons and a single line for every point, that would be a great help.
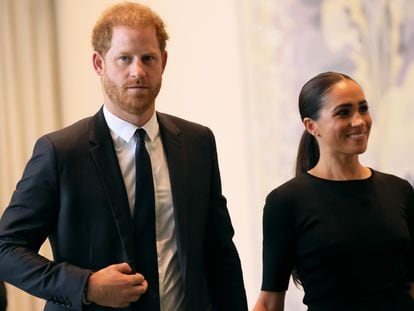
x: 122, y: 267
x: 142, y: 288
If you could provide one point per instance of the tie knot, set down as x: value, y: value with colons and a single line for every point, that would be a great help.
x: 140, y: 135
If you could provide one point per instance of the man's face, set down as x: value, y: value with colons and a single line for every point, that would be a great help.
x: 132, y: 70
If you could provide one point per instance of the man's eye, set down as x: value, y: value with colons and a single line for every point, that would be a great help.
x: 148, y: 58
x: 124, y: 58
x: 363, y: 108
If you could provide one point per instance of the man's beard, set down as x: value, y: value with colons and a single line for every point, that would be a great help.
x: 131, y: 103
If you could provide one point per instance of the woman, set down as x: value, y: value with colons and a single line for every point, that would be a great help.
x: 345, y: 230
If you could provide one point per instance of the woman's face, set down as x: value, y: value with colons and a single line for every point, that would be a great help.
x: 344, y: 122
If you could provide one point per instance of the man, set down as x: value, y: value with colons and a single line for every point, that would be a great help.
x: 3, y: 297
x: 83, y: 189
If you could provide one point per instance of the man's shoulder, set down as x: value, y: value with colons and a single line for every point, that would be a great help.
x: 171, y: 121
x: 77, y: 133
x: 77, y: 128
x: 162, y: 116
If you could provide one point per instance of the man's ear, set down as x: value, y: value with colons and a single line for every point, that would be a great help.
x: 98, y: 63
x: 311, y: 126
x: 164, y: 57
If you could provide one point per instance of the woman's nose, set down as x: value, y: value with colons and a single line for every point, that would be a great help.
x: 357, y: 119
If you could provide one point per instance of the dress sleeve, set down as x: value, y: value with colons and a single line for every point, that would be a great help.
x: 279, y: 243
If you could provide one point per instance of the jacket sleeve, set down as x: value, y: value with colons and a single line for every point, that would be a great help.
x: 26, y: 223
x: 223, y: 267
x: 410, y: 224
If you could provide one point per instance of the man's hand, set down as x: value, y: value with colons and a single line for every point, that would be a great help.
x: 115, y: 286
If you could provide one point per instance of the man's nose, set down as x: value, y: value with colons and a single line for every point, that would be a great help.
x: 138, y: 69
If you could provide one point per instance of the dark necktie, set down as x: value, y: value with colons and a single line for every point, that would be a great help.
x: 144, y: 225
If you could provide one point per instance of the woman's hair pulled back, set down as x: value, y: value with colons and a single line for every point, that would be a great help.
x: 311, y: 100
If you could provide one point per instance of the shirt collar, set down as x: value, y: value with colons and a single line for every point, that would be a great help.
x: 126, y: 130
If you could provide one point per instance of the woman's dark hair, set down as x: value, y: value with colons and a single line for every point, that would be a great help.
x: 311, y: 100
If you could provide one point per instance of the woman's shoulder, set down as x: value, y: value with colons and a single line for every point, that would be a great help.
x: 292, y: 188
x: 390, y: 181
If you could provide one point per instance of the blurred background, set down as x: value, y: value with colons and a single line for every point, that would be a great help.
x: 236, y: 66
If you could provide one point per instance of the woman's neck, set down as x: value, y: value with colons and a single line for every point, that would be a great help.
x: 340, y: 169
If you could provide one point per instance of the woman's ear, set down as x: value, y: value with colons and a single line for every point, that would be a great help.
x: 311, y: 126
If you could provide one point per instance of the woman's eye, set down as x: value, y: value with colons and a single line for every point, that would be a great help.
x: 342, y: 113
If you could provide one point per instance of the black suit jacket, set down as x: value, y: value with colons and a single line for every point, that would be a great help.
x: 3, y: 297
x: 72, y: 192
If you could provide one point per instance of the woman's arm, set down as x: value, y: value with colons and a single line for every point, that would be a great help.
x: 412, y: 290
x: 271, y: 301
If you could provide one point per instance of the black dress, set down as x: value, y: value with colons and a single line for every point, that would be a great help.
x: 352, y: 242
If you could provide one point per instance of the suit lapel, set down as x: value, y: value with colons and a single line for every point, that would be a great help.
x: 103, y: 153
x: 176, y: 159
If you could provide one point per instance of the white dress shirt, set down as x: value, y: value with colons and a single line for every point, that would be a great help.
x: 122, y: 132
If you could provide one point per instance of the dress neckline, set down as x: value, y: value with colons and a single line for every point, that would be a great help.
x: 344, y: 180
